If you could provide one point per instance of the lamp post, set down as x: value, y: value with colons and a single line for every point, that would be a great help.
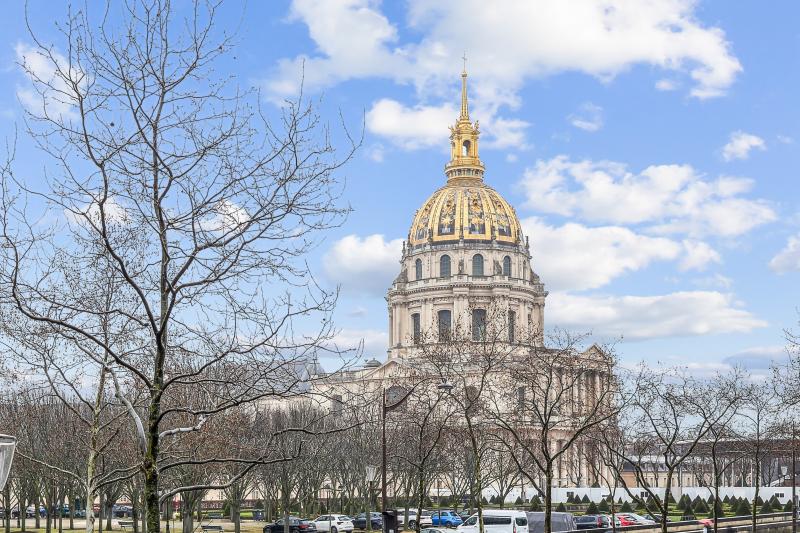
x: 371, y: 471
x: 7, y: 446
x: 794, y: 482
x: 443, y: 387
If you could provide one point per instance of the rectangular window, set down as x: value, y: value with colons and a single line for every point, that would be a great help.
x: 478, y: 324
x: 496, y: 520
x: 445, y: 325
x: 417, y: 327
x: 512, y: 326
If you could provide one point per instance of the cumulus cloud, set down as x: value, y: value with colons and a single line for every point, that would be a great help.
x: 788, y: 259
x: 741, y: 144
x: 576, y: 257
x: 684, y: 313
x: 512, y: 42
x: 354, y: 39
x: 47, y: 91
x: 411, y: 127
x: 363, y: 264
x: 588, y: 117
x: 665, y: 199
x: 698, y: 255
x: 424, y: 126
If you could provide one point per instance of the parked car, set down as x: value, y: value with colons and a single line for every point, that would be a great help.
x: 497, y: 521
x: 591, y: 521
x: 558, y: 522
x: 296, y: 525
x: 334, y: 523
x: 121, y: 511
x: 376, y: 520
x: 656, y: 518
x: 434, y: 530
x: 424, y: 521
x: 635, y: 519
x: 446, y: 519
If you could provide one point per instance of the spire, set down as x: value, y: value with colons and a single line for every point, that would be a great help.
x: 464, y: 102
x: 465, y: 165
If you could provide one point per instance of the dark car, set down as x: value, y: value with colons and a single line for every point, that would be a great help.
x: 558, y: 522
x: 360, y: 521
x: 296, y: 525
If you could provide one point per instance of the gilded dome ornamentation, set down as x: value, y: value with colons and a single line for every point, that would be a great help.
x: 465, y: 208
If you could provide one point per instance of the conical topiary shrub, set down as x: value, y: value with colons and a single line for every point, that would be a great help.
x: 766, y: 508
x: 744, y: 508
x: 626, y: 508
x: 603, y: 506
x: 592, y: 509
x: 585, y: 499
x: 788, y: 507
x: 719, y: 509
x: 561, y: 508
x: 701, y: 507
x: 759, y: 501
x: 681, y: 506
x: 726, y: 500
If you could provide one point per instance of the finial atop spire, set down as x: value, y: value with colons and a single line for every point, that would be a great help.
x: 464, y: 102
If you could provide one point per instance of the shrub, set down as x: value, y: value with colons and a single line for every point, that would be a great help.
x: 701, y: 507
x: 788, y: 507
x: 518, y: 501
x: 682, y: 503
x: 759, y: 501
x: 626, y: 508
x: 696, y: 501
x: 719, y: 509
x: 726, y: 500
x: 536, y: 505
x: 710, y: 499
x: 585, y: 499
x: 592, y: 509
x: 765, y: 508
x: 603, y: 507
x: 561, y: 508
x: 744, y: 508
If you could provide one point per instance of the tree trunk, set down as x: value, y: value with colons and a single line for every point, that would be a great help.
x: 37, y: 518
x: 548, y: 498
x: 101, y: 506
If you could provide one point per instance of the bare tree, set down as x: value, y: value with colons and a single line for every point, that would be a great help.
x: 558, y: 395
x: 203, y: 204
x: 661, y: 430
x: 468, y: 355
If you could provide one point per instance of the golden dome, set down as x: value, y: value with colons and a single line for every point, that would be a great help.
x: 465, y: 208
x: 469, y: 211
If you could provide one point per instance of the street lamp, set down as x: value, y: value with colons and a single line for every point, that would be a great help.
x: 444, y: 387
x: 7, y: 446
x: 371, y: 472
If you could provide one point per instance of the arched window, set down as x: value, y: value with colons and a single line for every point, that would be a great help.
x: 465, y: 148
x: 444, y: 266
x: 477, y: 265
x: 507, y: 266
x: 478, y: 324
x: 445, y: 324
x: 416, y: 327
x: 418, y: 268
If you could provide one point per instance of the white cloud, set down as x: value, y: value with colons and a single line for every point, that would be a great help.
x: 698, y: 255
x: 411, y: 127
x: 364, y: 265
x: 717, y: 280
x: 588, y: 117
x: 665, y: 199
x: 646, y: 317
x: 577, y: 257
x: 784, y: 139
x: 376, y: 152
x: 788, y: 259
x: 507, y: 43
x: 758, y: 357
x: 374, y: 342
x: 666, y: 85
x: 226, y: 216
x: 740, y: 144
x: 114, y: 213
x: 49, y: 94
x: 424, y: 126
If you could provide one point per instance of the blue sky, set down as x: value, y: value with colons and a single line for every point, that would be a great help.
x: 650, y: 149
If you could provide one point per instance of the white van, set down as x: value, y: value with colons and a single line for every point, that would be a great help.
x: 496, y: 521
